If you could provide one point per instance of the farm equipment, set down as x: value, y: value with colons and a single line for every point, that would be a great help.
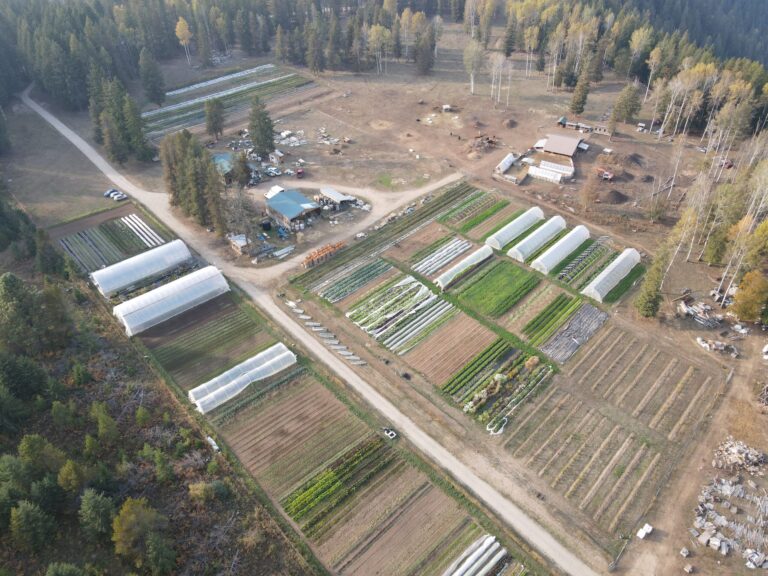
x: 604, y: 174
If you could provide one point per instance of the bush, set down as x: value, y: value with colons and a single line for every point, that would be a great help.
x: 80, y: 375
x: 201, y: 492
x: 142, y: 417
x: 31, y: 528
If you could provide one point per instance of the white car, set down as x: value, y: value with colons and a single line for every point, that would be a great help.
x: 389, y: 433
x: 765, y: 352
x: 119, y: 197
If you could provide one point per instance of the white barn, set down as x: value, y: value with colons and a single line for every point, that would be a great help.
x: 137, y: 269
x: 163, y: 303
x: 555, y: 254
x: 502, y: 237
x: 613, y: 274
x: 536, y: 239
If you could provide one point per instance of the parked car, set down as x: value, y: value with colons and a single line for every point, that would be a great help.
x: 110, y: 192
x: 119, y: 197
x: 300, y: 173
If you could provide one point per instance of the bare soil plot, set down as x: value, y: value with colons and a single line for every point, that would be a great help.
x: 501, y: 217
x: 204, y: 342
x: 403, y: 251
x: 449, y: 348
x: 297, y: 430
x: 430, y: 514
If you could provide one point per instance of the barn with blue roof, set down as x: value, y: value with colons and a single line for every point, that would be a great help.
x: 291, y: 206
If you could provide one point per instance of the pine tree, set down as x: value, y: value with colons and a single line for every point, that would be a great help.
x: 96, y: 101
x: 134, y: 130
x: 627, y: 104
x: 509, y: 39
x: 214, y: 117
x: 315, y: 58
x: 31, y: 528
x: 261, y: 128
x: 425, y: 52
x: 243, y: 32
x: 281, y: 47
x: 151, y: 78
x: 579, y: 100
x: 5, y: 140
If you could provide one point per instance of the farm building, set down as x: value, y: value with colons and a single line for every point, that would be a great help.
x: 506, y: 163
x: 172, y: 299
x: 141, y: 268
x: 334, y: 198
x: 612, y: 275
x: 499, y: 239
x: 544, y: 174
x: 562, y: 144
x: 273, y: 191
x: 477, y: 257
x: 291, y: 206
x: 229, y: 384
x: 538, y: 238
x: 224, y: 163
x: 560, y: 249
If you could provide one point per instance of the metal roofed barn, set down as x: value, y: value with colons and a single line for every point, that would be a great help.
x: 501, y: 238
x: 229, y: 384
x: 560, y: 249
x: 562, y: 144
x: 133, y: 271
x: 172, y: 299
x: 336, y: 197
x: 543, y: 234
x: 612, y: 275
x: 290, y: 205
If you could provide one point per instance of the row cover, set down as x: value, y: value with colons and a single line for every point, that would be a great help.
x: 449, y: 276
x: 229, y: 384
x: 560, y: 250
x: 512, y: 230
x: 612, y: 275
x: 538, y: 238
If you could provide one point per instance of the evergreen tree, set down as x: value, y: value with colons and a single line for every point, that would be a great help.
x: 214, y: 117
x: 96, y: 101
x: 5, y: 139
x: 425, y: 52
x: 161, y: 559
x: 627, y: 104
x: 133, y: 525
x: 96, y: 514
x: 579, y: 100
x: 151, y: 78
x: 509, y: 39
x: 63, y: 569
x: 261, y: 128
x: 281, y: 45
x: 31, y: 528
x: 315, y: 58
x: 241, y: 172
x: 243, y: 32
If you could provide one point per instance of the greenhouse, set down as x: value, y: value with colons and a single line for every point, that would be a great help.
x: 133, y: 271
x: 455, y: 272
x: 560, y: 250
x: 612, y: 275
x: 536, y: 239
x: 172, y: 299
x: 232, y: 382
x: 499, y: 239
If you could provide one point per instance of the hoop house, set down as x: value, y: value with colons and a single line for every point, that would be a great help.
x: 172, y: 299
x: 499, y: 239
x: 523, y: 249
x: 129, y: 273
x: 232, y: 382
x: 612, y: 275
x: 454, y: 272
x: 560, y: 249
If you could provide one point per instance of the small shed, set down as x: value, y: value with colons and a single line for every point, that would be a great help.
x: 506, y: 163
x: 333, y: 198
x: 273, y: 191
x: 276, y: 157
x: 291, y: 207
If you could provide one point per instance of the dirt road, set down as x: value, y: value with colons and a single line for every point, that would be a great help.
x: 249, y: 281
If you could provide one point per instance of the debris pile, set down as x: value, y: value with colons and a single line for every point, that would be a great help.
x: 324, y: 138
x: 291, y: 139
x: 701, y: 312
x: 718, y: 346
x: 763, y: 396
x: 483, y: 143
x: 731, y: 514
x: 735, y: 456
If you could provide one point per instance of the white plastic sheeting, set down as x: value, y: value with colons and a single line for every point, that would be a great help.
x: 130, y: 272
x: 229, y: 384
x: 499, y: 239
x: 555, y: 254
x: 449, y: 276
x: 545, y: 174
x: 536, y: 239
x: 612, y: 275
x: 161, y: 304
x: 481, y: 557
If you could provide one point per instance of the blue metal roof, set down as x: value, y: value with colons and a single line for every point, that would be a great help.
x: 291, y: 204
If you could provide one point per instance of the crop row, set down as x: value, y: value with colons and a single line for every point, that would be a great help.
x: 464, y: 376
x: 499, y: 289
x: 530, y: 379
x: 382, y: 239
x: 352, y: 282
x: 316, y: 499
x: 565, y: 262
x: 427, y: 250
x: 477, y: 201
x: 571, y: 272
x: 624, y: 285
x: 544, y: 324
x: 470, y: 223
x: 401, y: 314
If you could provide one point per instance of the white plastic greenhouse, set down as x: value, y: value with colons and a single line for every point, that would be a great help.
x: 131, y: 272
x: 555, y: 254
x: 449, y: 276
x: 612, y: 275
x: 499, y: 239
x: 536, y: 239
x: 232, y: 382
x: 158, y: 305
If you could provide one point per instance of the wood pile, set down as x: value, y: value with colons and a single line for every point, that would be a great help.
x: 735, y: 456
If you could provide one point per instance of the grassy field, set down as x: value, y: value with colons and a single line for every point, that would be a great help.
x: 499, y: 289
x: 51, y: 179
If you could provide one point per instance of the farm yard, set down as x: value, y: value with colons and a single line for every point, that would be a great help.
x: 185, y: 107
x: 348, y: 489
x: 110, y: 240
x: 205, y: 341
x: 609, y: 429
